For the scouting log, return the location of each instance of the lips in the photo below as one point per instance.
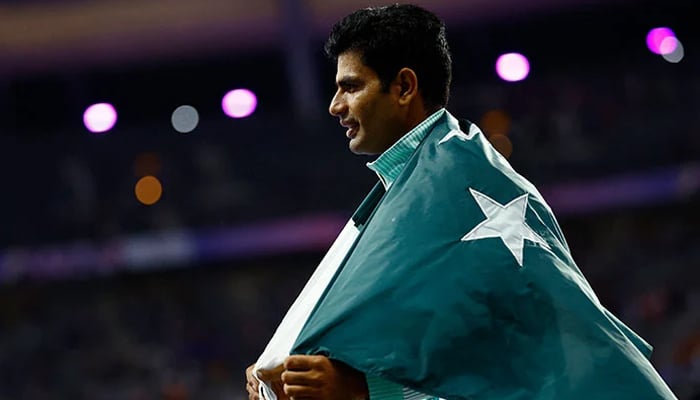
(351, 132)
(352, 126)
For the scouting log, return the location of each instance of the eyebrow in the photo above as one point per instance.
(348, 81)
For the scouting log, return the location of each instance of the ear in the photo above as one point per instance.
(407, 81)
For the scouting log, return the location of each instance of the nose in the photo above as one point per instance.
(338, 106)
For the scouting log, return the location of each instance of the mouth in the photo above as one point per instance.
(352, 132)
(352, 127)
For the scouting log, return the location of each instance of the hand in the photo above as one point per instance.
(320, 378)
(272, 376)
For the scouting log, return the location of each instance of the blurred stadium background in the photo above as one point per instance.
(170, 175)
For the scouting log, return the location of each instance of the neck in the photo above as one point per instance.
(417, 114)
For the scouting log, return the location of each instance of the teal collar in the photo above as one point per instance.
(390, 163)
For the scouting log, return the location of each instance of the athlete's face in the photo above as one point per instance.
(372, 116)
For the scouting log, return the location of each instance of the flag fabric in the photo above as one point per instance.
(460, 284)
(280, 345)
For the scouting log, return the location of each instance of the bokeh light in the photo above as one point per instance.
(656, 36)
(148, 190)
(668, 45)
(502, 144)
(495, 122)
(99, 118)
(185, 119)
(676, 53)
(512, 67)
(239, 103)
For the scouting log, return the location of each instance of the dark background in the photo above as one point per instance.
(102, 297)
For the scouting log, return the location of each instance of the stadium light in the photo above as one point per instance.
(100, 118)
(239, 103)
(512, 67)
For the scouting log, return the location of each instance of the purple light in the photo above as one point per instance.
(672, 50)
(668, 45)
(99, 118)
(239, 103)
(656, 36)
(512, 67)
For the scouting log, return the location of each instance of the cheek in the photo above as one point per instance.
(365, 111)
(355, 105)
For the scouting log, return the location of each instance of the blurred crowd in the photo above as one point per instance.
(190, 333)
(554, 129)
(175, 336)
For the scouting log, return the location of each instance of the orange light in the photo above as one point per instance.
(148, 190)
(495, 122)
(502, 144)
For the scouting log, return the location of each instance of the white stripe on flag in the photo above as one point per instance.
(287, 332)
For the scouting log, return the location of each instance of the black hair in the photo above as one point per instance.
(393, 37)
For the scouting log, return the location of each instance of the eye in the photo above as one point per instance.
(349, 87)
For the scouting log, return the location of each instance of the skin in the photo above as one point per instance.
(375, 120)
(303, 377)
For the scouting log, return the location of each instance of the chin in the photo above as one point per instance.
(360, 147)
(356, 150)
(355, 146)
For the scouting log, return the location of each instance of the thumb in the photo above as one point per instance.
(269, 375)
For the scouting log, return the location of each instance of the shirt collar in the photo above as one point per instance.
(390, 163)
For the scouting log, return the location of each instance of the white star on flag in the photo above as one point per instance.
(506, 222)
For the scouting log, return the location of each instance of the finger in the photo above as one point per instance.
(302, 362)
(253, 383)
(305, 378)
(252, 394)
(299, 392)
(278, 388)
(249, 376)
(274, 374)
(249, 371)
(251, 388)
(297, 363)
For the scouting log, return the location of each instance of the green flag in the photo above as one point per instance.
(461, 285)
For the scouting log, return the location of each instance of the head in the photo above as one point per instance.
(393, 69)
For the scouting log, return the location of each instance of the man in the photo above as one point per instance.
(457, 283)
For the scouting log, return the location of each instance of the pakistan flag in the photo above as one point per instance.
(461, 285)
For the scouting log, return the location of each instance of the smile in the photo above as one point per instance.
(351, 132)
